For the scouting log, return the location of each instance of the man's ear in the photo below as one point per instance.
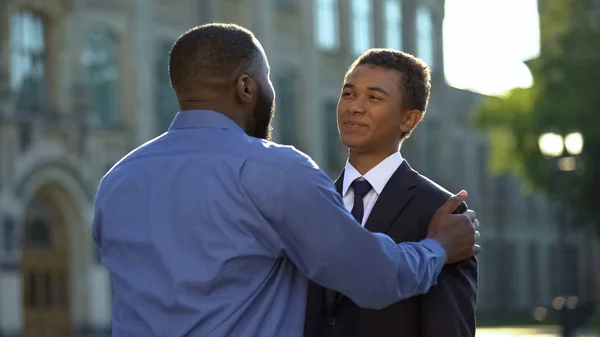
(245, 88)
(410, 120)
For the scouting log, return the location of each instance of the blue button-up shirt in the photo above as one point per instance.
(209, 232)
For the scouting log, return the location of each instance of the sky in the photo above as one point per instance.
(486, 42)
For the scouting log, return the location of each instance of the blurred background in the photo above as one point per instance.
(513, 118)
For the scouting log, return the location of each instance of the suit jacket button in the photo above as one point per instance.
(330, 321)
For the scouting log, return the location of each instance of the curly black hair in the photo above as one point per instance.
(416, 76)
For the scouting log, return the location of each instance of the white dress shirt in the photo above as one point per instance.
(378, 176)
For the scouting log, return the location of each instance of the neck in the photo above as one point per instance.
(364, 161)
(232, 112)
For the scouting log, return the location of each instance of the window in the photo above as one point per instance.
(166, 101)
(335, 156)
(554, 273)
(425, 36)
(286, 108)
(571, 273)
(534, 281)
(362, 25)
(38, 234)
(507, 281)
(482, 169)
(100, 60)
(393, 24)
(27, 61)
(429, 156)
(9, 235)
(327, 27)
(459, 158)
(502, 187)
(532, 210)
(284, 4)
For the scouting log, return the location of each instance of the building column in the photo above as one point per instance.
(144, 119)
(311, 110)
(379, 24)
(206, 11)
(262, 22)
(11, 304)
(4, 55)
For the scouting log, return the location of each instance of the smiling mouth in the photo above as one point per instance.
(353, 125)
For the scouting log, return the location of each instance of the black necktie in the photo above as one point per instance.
(361, 187)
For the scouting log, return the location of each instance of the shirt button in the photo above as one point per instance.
(330, 321)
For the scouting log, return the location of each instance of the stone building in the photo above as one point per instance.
(85, 81)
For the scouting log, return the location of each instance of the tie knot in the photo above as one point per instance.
(361, 187)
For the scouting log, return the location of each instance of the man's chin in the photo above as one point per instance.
(352, 142)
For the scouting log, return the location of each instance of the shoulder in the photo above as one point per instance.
(272, 163)
(432, 195)
(286, 159)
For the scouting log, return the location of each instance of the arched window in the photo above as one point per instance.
(27, 61)
(38, 234)
(101, 63)
(37, 228)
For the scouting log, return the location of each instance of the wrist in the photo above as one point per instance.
(443, 244)
(437, 246)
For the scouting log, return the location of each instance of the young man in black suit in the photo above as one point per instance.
(384, 97)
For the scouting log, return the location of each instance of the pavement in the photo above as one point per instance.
(534, 331)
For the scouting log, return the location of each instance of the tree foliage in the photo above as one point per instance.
(565, 98)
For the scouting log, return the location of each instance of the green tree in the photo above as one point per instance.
(565, 97)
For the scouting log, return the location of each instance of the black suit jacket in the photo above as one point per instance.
(402, 211)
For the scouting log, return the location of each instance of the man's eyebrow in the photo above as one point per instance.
(378, 89)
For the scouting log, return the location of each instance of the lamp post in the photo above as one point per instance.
(553, 146)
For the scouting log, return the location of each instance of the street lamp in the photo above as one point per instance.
(574, 143)
(552, 145)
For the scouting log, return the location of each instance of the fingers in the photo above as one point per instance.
(476, 223)
(476, 249)
(471, 215)
(453, 203)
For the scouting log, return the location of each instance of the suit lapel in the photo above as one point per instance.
(394, 196)
(339, 183)
(392, 200)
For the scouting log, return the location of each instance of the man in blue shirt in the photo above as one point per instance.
(212, 230)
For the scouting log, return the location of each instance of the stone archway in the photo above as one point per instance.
(46, 266)
(54, 201)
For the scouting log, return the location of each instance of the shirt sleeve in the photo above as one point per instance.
(330, 248)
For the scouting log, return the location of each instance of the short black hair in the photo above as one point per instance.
(209, 51)
(416, 77)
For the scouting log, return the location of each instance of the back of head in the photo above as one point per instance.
(416, 77)
(210, 56)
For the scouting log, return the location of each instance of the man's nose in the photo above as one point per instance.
(357, 106)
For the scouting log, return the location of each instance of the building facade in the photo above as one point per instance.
(85, 81)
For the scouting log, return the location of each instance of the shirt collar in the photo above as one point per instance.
(378, 176)
(194, 119)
